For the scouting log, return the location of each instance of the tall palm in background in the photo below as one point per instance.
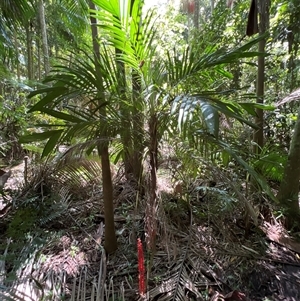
(47, 26)
(14, 11)
(13, 15)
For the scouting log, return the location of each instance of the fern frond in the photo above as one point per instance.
(77, 173)
(57, 208)
(78, 151)
(271, 165)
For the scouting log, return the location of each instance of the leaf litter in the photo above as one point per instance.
(202, 249)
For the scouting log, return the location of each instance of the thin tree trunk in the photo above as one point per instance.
(110, 244)
(259, 119)
(110, 233)
(258, 136)
(212, 6)
(17, 55)
(44, 37)
(39, 68)
(137, 123)
(151, 214)
(29, 52)
(196, 14)
(289, 188)
(137, 127)
(292, 38)
(126, 135)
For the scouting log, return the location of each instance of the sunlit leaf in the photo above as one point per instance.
(51, 143)
(250, 107)
(61, 115)
(210, 118)
(38, 136)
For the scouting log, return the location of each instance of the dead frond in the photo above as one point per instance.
(294, 96)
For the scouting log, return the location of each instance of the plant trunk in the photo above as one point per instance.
(110, 244)
(289, 188)
(137, 125)
(258, 137)
(44, 36)
(39, 68)
(290, 39)
(196, 14)
(293, 44)
(212, 6)
(126, 135)
(137, 128)
(259, 119)
(17, 55)
(29, 51)
(151, 214)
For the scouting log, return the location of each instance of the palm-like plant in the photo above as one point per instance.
(14, 11)
(108, 104)
(13, 14)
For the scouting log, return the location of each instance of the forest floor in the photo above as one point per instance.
(205, 247)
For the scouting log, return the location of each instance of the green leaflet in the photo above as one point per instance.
(61, 115)
(38, 136)
(250, 107)
(210, 117)
(52, 142)
(52, 94)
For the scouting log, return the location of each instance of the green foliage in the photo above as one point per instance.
(271, 163)
(220, 199)
(13, 119)
(68, 24)
(15, 12)
(34, 213)
(79, 82)
(279, 127)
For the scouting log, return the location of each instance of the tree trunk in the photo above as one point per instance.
(137, 124)
(258, 136)
(44, 37)
(126, 135)
(17, 55)
(289, 188)
(293, 44)
(196, 14)
(151, 214)
(132, 121)
(39, 68)
(212, 6)
(110, 244)
(290, 39)
(137, 128)
(29, 51)
(259, 119)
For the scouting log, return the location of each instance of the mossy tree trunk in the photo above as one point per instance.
(289, 188)
(43, 29)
